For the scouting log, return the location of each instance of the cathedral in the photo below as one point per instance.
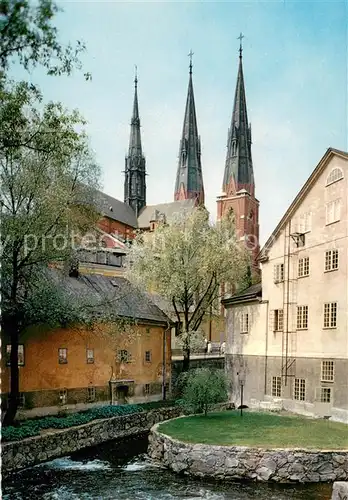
(238, 185)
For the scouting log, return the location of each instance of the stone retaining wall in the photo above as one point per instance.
(241, 462)
(56, 443)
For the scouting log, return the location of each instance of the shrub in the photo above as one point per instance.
(32, 427)
(203, 388)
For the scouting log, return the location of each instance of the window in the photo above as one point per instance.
(147, 389)
(148, 356)
(21, 400)
(303, 267)
(124, 356)
(90, 356)
(300, 389)
(325, 395)
(20, 355)
(278, 271)
(63, 396)
(333, 211)
(62, 355)
(276, 386)
(278, 320)
(335, 175)
(331, 260)
(244, 323)
(302, 317)
(327, 371)
(305, 222)
(148, 332)
(91, 392)
(330, 315)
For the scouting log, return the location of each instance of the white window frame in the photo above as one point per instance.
(244, 323)
(278, 273)
(276, 389)
(303, 267)
(330, 315)
(300, 389)
(324, 391)
(302, 318)
(333, 211)
(327, 371)
(335, 175)
(305, 222)
(278, 320)
(331, 260)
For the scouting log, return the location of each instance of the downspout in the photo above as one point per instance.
(164, 375)
(266, 345)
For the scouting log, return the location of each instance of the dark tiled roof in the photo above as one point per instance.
(115, 209)
(168, 209)
(252, 292)
(120, 295)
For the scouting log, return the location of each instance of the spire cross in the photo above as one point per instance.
(190, 56)
(136, 75)
(240, 38)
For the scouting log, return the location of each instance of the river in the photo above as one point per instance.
(122, 471)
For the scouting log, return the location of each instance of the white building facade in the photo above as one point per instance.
(289, 340)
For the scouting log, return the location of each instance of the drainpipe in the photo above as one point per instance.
(164, 375)
(266, 344)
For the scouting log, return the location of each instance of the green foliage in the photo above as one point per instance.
(28, 36)
(202, 389)
(33, 427)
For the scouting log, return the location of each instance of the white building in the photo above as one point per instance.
(289, 340)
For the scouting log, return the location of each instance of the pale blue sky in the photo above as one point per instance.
(295, 68)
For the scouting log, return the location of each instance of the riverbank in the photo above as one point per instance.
(275, 464)
(53, 443)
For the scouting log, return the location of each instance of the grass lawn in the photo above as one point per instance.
(261, 430)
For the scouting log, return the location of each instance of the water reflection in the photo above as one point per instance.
(121, 471)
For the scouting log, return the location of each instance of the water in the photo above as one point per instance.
(122, 471)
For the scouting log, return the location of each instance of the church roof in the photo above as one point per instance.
(165, 209)
(115, 209)
(238, 159)
(189, 179)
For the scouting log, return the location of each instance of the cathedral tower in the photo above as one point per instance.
(238, 187)
(134, 183)
(189, 179)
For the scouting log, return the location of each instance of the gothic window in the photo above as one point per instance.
(234, 148)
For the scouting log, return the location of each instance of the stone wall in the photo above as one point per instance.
(241, 462)
(55, 443)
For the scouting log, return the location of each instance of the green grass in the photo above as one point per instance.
(263, 430)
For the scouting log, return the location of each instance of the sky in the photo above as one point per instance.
(295, 70)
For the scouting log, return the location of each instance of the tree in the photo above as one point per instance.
(28, 36)
(48, 175)
(185, 262)
(203, 388)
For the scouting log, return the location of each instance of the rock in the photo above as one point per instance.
(340, 491)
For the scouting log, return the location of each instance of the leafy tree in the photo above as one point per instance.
(27, 36)
(185, 262)
(203, 388)
(48, 175)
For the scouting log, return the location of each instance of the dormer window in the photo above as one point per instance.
(234, 148)
(335, 175)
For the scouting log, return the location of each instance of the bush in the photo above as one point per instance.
(202, 389)
(30, 428)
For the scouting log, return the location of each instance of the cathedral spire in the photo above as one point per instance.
(238, 167)
(189, 179)
(134, 184)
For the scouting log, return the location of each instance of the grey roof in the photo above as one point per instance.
(238, 159)
(167, 209)
(120, 296)
(253, 292)
(189, 172)
(115, 209)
